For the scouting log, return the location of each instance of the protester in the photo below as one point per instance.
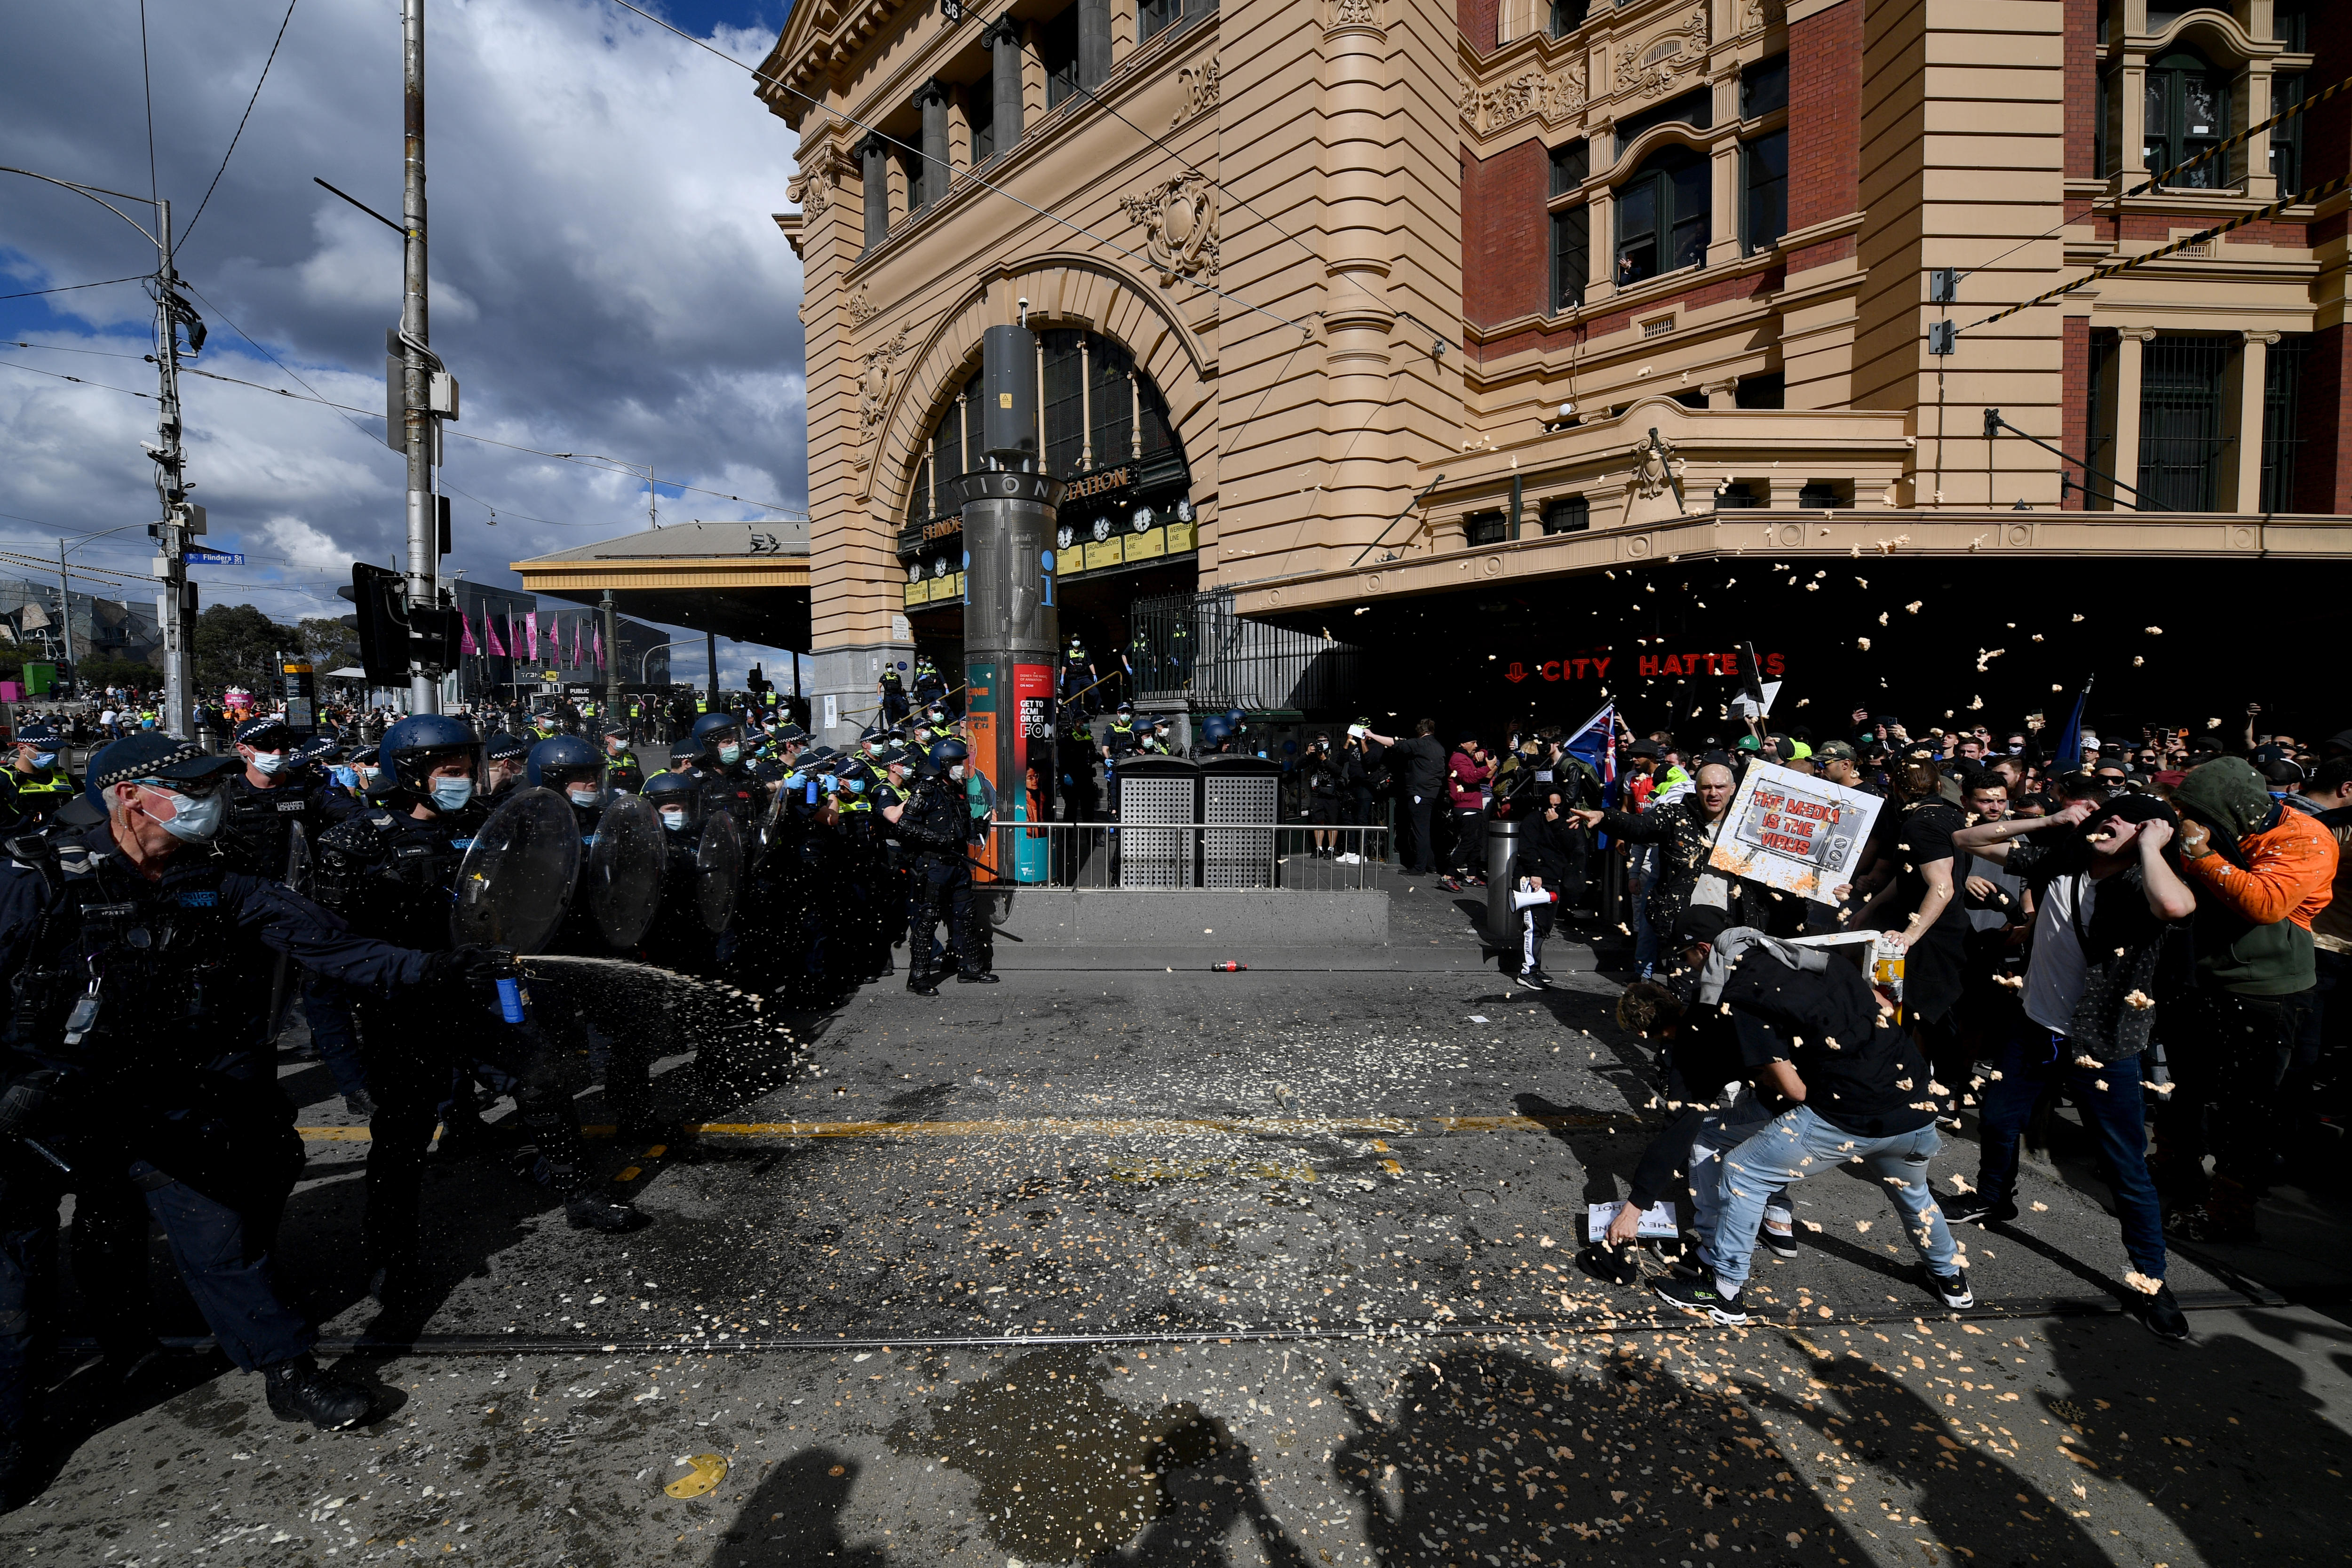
(1418, 764)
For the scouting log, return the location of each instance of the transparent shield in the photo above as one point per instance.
(624, 875)
(515, 883)
(718, 872)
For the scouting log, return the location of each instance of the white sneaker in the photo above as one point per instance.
(1348, 860)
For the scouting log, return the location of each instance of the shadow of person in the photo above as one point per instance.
(1484, 1456)
(1968, 1497)
(1607, 1144)
(2228, 1440)
(1065, 1470)
(793, 1518)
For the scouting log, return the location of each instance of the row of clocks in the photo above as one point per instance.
(1103, 525)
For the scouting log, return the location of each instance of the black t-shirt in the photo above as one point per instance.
(1420, 761)
(1923, 833)
(1875, 1087)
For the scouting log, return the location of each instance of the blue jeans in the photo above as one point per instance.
(1640, 874)
(2115, 1112)
(1722, 1131)
(1799, 1144)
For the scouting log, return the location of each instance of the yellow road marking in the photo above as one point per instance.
(1361, 1127)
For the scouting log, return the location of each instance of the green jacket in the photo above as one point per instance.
(2234, 953)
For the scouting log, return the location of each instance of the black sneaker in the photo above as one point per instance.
(1700, 1296)
(1978, 1209)
(360, 1108)
(1952, 1288)
(976, 978)
(2161, 1315)
(1533, 980)
(921, 984)
(1779, 1243)
(298, 1391)
(593, 1211)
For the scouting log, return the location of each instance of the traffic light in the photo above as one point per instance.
(755, 680)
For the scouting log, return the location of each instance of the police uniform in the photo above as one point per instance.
(894, 694)
(182, 1124)
(36, 796)
(937, 824)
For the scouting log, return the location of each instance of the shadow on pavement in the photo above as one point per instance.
(794, 1517)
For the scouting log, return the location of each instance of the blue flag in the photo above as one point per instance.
(2068, 757)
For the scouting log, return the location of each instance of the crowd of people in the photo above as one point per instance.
(319, 869)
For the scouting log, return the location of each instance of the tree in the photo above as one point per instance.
(236, 645)
(332, 643)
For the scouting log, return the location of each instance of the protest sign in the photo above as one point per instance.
(1794, 831)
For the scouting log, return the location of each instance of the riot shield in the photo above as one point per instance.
(717, 872)
(516, 881)
(622, 879)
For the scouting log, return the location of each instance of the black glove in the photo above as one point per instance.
(470, 965)
(25, 1104)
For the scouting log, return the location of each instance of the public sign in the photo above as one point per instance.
(214, 558)
(1794, 831)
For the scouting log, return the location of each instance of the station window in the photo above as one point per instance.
(2281, 410)
(1764, 87)
(1762, 390)
(1485, 527)
(1764, 167)
(2286, 138)
(1696, 109)
(1057, 51)
(979, 114)
(1569, 514)
(1662, 215)
(2187, 112)
(2180, 440)
(1571, 246)
(1567, 15)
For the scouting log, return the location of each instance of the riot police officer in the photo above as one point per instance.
(892, 689)
(276, 793)
(38, 786)
(930, 688)
(391, 870)
(678, 938)
(937, 824)
(622, 770)
(111, 929)
(729, 782)
(504, 755)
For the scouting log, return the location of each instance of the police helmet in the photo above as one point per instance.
(562, 760)
(669, 791)
(946, 754)
(414, 747)
(711, 726)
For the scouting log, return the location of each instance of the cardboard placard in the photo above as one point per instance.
(1657, 1220)
(1796, 832)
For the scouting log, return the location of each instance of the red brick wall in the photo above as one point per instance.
(1506, 234)
(2082, 85)
(2075, 405)
(1478, 18)
(1547, 339)
(1825, 116)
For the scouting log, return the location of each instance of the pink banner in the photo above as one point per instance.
(490, 635)
(530, 630)
(599, 647)
(466, 633)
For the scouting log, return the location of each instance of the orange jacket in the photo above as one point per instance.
(2293, 873)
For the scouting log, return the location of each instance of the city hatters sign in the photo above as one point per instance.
(1596, 664)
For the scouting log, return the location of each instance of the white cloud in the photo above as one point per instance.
(605, 279)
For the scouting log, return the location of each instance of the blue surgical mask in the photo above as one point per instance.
(730, 754)
(854, 786)
(194, 821)
(586, 796)
(675, 819)
(452, 795)
(45, 759)
(271, 763)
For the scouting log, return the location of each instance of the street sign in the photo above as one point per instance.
(214, 558)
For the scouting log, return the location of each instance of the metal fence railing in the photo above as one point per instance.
(1183, 856)
(1198, 647)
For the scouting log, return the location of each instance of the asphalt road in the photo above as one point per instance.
(1161, 1266)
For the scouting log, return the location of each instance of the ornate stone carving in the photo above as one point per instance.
(1202, 90)
(1755, 15)
(1654, 467)
(1355, 14)
(1649, 66)
(862, 309)
(878, 378)
(810, 190)
(1545, 95)
(1180, 219)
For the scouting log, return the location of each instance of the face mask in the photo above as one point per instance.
(367, 776)
(586, 794)
(193, 821)
(271, 763)
(854, 786)
(346, 777)
(956, 773)
(45, 759)
(452, 795)
(730, 754)
(675, 820)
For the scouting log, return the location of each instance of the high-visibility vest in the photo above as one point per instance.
(702, 705)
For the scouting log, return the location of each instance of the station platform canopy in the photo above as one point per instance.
(748, 581)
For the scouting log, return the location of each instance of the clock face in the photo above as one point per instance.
(940, 567)
(1141, 520)
(1102, 529)
(914, 572)
(1183, 511)
(1064, 536)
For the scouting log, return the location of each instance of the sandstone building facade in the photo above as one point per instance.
(1356, 303)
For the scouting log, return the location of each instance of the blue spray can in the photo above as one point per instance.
(514, 1001)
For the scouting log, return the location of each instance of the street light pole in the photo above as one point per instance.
(418, 357)
(176, 604)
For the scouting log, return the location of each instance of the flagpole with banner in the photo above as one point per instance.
(2069, 756)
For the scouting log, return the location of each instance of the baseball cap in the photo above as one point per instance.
(1834, 752)
(1699, 923)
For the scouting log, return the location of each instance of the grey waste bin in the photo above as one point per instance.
(1502, 848)
(1245, 792)
(1159, 800)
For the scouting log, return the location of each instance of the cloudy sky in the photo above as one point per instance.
(606, 278)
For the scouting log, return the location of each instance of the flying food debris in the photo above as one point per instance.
(2153, 631)
(2139, 1001)
(2040, 1208)
(1986, 656)
(1913, 607)
(2137, 661)
(2142, 1283)
(1863, 643)
(2078, 618)
(1863, 1225)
